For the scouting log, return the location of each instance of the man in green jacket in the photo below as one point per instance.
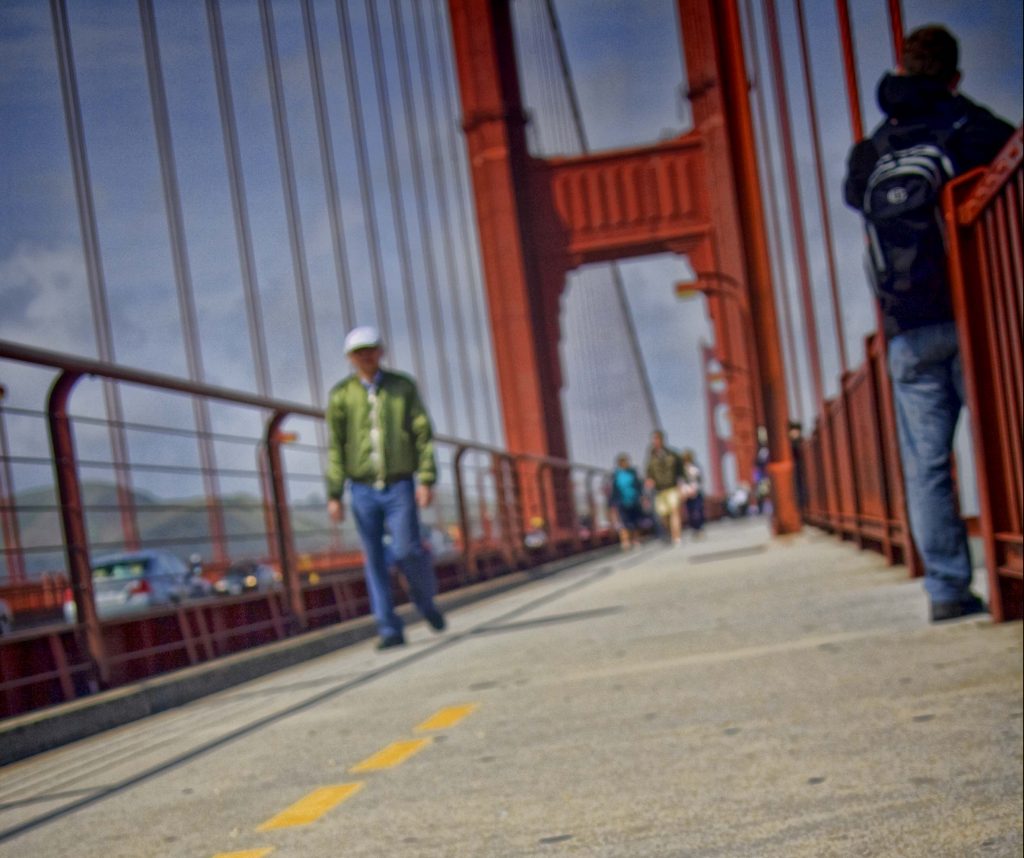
(664, 470)
(379, 440)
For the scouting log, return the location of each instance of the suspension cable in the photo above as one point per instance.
(298, 252)
(182, 270)
(328, 165)
(93, 257)
(467, 225)
(419, 194)
(363, 169)
(819, 172)
(397, 210)
(441, 194)
(790, 364)
(239, 205)
(793, 197)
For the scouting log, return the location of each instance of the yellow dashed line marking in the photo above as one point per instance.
(447, 717)
(246, 853)
(310, 808)
(393, 755)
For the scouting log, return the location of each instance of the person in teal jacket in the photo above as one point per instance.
(380, 443)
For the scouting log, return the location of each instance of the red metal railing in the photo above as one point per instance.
(853, 476)
(851, 464)
(983, 216)
(271, 483)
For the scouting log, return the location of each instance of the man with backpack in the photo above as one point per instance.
(894, 178)
(626, 499)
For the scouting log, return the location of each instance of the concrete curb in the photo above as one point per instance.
(30, 734)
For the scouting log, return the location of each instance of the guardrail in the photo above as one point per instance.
(851, 466)
(983, 216)
(258, 495)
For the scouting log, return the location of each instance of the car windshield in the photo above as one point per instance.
(120, 571)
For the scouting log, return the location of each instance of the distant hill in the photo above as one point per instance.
(180, 525)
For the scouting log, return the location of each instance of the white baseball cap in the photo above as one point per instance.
(364, 337)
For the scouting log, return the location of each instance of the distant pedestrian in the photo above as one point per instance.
(662, 473)
(930, 134)
(796, 444)
(626, 501)
(691, 489)
(380, 443)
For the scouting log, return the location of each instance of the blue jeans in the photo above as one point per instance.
(695, 512)
(928, 393)
(393, 509)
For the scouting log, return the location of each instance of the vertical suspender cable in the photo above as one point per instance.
(793, 193)
(441, 194)
(620, 292)
(327, 163)
(850, 67)
(465, 222)
(182, 271)
(790, 365)
(93, 263)
(298, 252)
(896, 28)
(819, 172)
(239, 205)
(363, 168)
(401, 232)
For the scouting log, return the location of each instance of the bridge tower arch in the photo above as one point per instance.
(540, 218)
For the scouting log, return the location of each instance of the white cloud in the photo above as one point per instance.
(45, 299)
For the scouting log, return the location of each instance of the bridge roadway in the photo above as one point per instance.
(733, 697)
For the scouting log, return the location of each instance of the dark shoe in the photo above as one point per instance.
(390, 641)
(966, 607)
(436, 620)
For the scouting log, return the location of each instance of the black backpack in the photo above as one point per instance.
(906, 233)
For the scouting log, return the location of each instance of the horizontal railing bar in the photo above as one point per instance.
(104, 369)
(168, 430)
(154, 468)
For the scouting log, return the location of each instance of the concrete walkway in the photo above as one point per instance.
(738, 696)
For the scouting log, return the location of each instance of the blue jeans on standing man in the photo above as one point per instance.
(924, 364)
(392, 509)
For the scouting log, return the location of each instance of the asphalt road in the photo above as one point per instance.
(738, 696)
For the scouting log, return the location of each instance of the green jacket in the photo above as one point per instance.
(406, 437)
(665, 468)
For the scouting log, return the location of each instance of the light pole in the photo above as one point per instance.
(722, 285)
(744, 394)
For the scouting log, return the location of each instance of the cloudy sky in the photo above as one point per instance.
(626, 64)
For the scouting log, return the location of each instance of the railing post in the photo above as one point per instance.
(72, 517)
(468, 560)
(509, 469)
(592, 504)
(15, 556)
(282, 519)
(874, 369)
(545, 492)
(851, 453)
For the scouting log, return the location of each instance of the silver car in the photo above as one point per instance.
(135, 582)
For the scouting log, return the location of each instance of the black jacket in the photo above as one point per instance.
(916, 108)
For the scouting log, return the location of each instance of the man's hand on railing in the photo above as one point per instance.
(336, 510)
